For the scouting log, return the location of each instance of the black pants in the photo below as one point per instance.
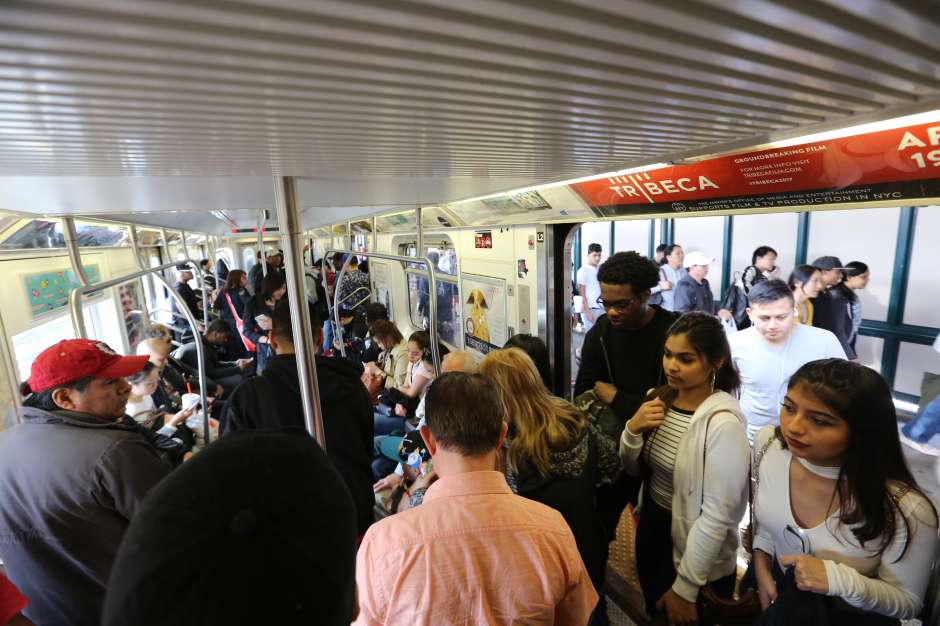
(654, 556)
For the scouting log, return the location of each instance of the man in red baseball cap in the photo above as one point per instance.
(71, 477)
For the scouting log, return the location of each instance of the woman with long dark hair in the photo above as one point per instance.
(836, 501)
(805, 282)
(689, 441)
(258, 313)
(857, 276)
(230, 304)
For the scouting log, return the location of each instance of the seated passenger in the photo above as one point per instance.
(693, 293)
(167, 432)
(400, 402)
(261, 531)
(193, 302)
(227, 374)
(690, 440)
(393, 361)
(837, 504)
(473, 552)
(537, 351)
(272, 401)
(257, 317)
(374, 312)
(175, 377)
(555, 455)
(71, 478)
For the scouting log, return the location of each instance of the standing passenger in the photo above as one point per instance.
(763, 267)
(272, 401)
(837, 503)
(622, 356)
(588, 287)
(556, 456)
(831, 310)
(473, 552)
(805, 283)
(71, 478)
(857, 276)
(693, 293)
(537, 351)
(670, 273)
(767, 353)
(230, 304)
(258, 316)
(690, 440)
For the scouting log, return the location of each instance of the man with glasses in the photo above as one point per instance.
(622, 355)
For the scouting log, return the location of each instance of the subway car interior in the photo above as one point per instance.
(486, 164)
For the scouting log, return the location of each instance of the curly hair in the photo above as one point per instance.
(629, 268)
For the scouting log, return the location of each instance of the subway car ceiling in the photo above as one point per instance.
(178, 114)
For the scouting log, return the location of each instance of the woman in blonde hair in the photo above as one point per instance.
(556, 456)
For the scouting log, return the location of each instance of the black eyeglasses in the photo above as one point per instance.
(620, 305)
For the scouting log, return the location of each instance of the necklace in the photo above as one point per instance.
(832, 473)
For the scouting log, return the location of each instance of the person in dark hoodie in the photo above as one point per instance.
(622, 355)
(831, 308)
(272, 401)
(556, 456)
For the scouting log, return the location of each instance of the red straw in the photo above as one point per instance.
(189, 388)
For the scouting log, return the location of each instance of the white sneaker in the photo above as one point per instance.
(923, 448)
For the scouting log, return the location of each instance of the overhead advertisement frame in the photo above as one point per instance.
(896, 165)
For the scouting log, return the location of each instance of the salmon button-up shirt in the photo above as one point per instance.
(473, 553)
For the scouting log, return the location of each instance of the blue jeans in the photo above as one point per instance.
(327, 335)
(387, 424)
(926, 424)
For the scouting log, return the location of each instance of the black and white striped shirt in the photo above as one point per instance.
(660, 454)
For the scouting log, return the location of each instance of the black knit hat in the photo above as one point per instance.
(259, 528)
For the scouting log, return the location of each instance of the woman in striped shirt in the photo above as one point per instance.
(689, 441)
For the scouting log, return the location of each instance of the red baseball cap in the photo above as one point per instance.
(72, 359)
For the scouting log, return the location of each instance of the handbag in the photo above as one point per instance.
(240, 326)
(714, 609)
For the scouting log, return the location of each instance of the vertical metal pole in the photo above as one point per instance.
(419, 232)
(261, 250)
(166, 246)
(349, 236)
(727, 246)
(375, 234)
(214, 245)
(135, 245)
(802, 237)
(288, 220)
(10, 369)
(75, 257)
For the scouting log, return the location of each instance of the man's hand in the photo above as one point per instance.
(725, 314)
(243, 364)
(605, 392)
(588, 314)
(665, 285)
(400, 410)
(219, 391)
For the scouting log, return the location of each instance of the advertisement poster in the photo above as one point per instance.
(484, 312)
(483, 239)
(48, 291)
(897, 164)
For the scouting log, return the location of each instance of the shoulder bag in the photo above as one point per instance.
(240, 325)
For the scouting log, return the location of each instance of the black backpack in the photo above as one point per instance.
(735, 301)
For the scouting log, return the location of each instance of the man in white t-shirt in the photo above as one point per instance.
(772, 349)
(589, 288)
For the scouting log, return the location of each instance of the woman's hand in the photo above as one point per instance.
(809, 572)
(389, 482)
(181, 417)
(605, 392)
(678, 610)
(650, 415)
(766, 586)
(400, 410)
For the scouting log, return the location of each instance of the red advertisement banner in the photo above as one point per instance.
(897, 164)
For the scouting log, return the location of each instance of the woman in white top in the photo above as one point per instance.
(420, 374)
(690, 441)
(836, 501)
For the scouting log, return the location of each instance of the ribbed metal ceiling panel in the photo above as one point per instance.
(484, 89)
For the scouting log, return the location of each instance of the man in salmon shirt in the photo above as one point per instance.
(473, 552)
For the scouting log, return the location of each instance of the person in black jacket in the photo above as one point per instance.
(273, 288)
(234, 290)
(622, 356)
(830, 307)
(272, 401)
(186, 292)
(228, 374)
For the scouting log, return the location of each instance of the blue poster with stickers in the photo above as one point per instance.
(48, 291)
